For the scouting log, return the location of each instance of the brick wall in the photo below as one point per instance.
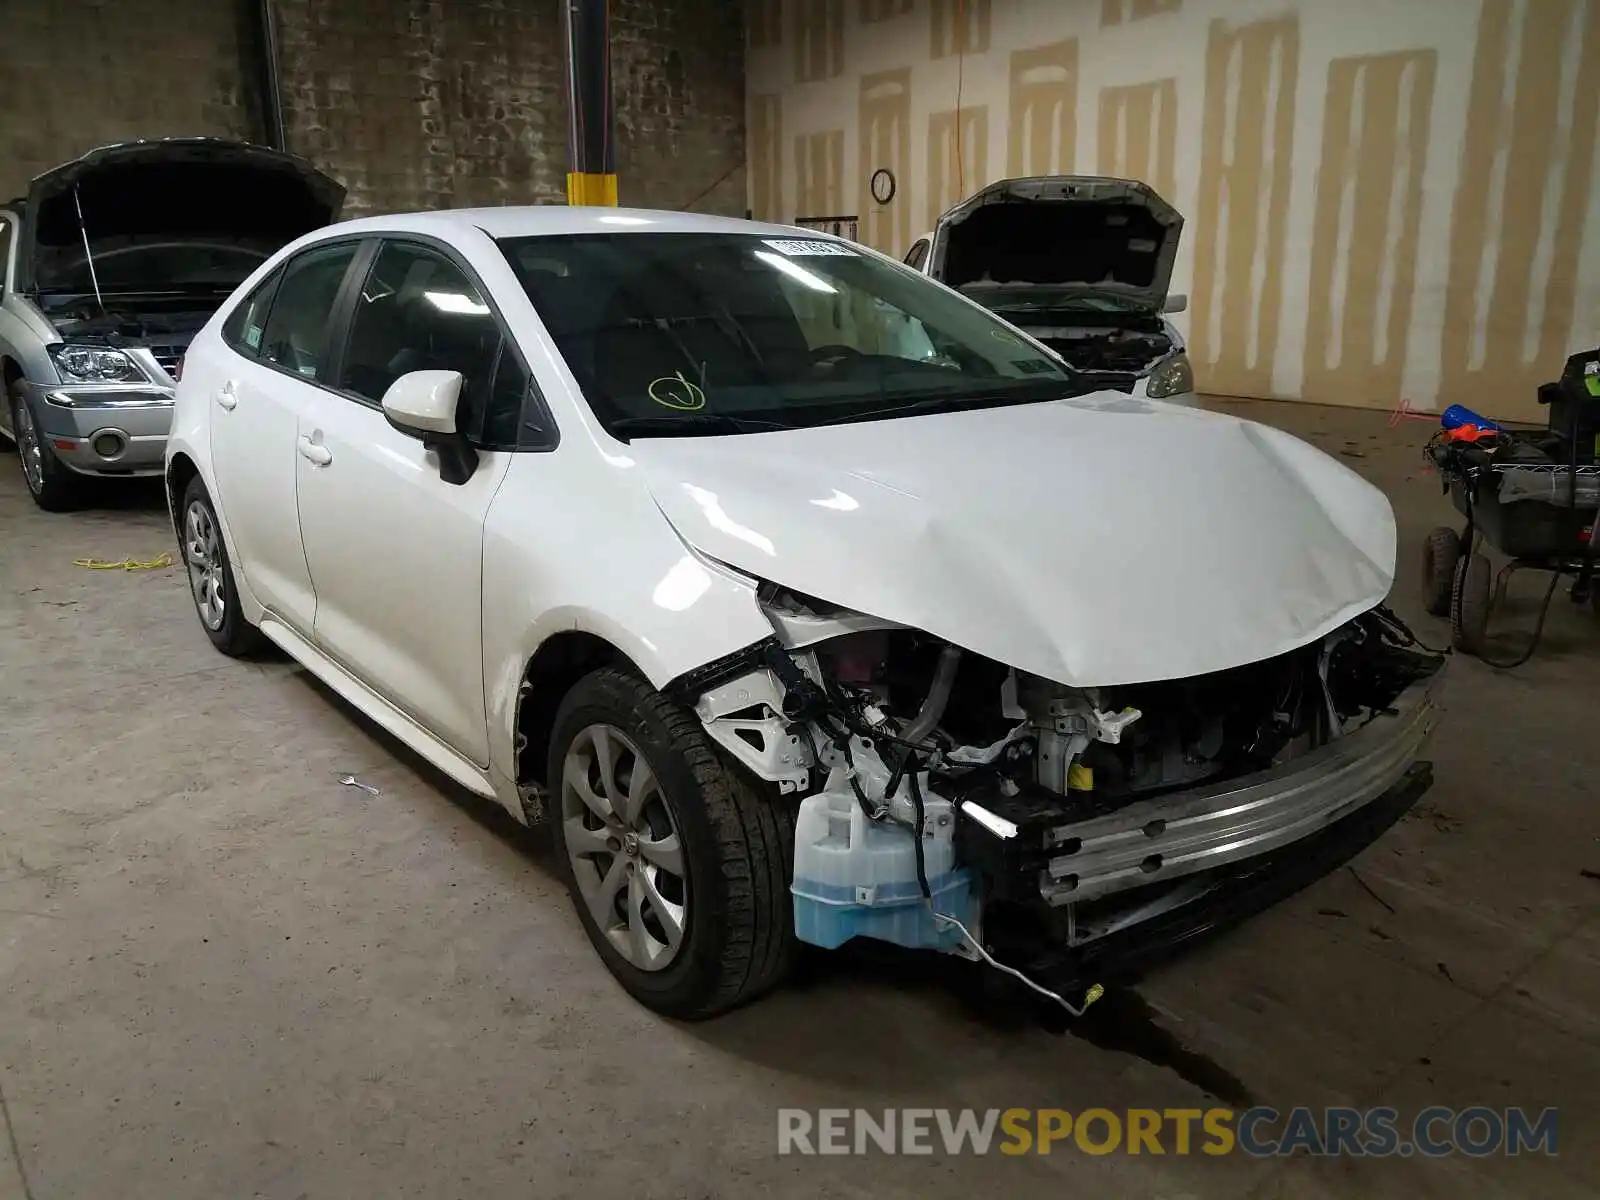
(76, 74)
(411, 103)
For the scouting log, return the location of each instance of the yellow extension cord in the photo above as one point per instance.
(161, 560)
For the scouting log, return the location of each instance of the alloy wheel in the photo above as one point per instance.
(202, 552)
(623, 844)
(28, 447)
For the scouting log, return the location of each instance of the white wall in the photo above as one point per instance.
(1417, 220)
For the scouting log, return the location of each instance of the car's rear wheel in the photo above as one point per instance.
(677, 862)
(52, 485)
(211, 582)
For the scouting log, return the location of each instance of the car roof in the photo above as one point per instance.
(551, 219)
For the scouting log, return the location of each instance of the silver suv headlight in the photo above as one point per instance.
(94, 364)
(1172, 377)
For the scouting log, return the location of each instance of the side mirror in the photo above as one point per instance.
(422, 404)
(1177, 302)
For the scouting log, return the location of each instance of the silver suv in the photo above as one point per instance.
(108, 266)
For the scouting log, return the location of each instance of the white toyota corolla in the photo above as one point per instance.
(805, 597)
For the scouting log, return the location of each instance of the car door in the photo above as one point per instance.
(395, 552)
(277, 347)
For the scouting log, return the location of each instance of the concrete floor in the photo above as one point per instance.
(223, 974)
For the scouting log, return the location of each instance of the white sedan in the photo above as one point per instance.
(804, 597)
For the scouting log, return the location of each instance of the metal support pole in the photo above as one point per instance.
(591, 120)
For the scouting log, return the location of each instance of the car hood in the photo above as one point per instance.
(1092, 541)
(174, 189)
(1072, 230)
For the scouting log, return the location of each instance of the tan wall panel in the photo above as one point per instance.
(955, 167)
(818, 40)
(1364, 234)
(1139, 132)
(1246, 159)
(819, 174)
(882, 10)
(1525, 180)
(884, 140)
(766, 157)
(960, 27)
(765, 22)
(1119, 12)
(1042, 130)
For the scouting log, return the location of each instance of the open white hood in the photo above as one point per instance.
(1093, 541)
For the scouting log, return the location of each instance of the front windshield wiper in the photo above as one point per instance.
(703, 422)
(1034, 392)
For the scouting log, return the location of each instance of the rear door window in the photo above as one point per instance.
(247, 323)
(295, 337)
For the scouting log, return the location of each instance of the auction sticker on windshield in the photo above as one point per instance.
(802, 248)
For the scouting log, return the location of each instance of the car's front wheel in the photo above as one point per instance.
(678, 864)
(211, 583)
(53, 486)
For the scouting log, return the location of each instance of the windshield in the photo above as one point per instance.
(673, 334)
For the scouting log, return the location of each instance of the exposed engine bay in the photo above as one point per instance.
(951, 802)
(131, 320)
(1130, 347)
(163, 324)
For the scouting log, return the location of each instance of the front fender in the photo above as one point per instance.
(606, 563)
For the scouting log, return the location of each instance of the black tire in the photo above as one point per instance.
(737, 846)
(54, 486)
(1469, 605)
(233, 635)
(1440, 553)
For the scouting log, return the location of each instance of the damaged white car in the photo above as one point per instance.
(807, 599)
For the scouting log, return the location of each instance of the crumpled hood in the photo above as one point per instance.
(1093, 541)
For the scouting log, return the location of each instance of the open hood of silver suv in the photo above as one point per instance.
(1060, 233)
(170, 190)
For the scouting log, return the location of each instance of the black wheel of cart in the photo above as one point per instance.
(1440, 553)
(1469, 605)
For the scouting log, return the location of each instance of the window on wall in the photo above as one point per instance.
(419, 311)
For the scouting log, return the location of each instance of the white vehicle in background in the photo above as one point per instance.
(806, 599)
(1084, 264)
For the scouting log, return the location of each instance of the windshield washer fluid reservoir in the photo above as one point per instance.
(856, 877)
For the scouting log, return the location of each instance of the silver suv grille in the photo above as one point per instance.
(168, 358)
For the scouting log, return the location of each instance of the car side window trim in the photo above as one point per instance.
(344, 307)
(534, 408)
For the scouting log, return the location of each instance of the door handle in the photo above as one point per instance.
(315, 452)
(226, 397)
